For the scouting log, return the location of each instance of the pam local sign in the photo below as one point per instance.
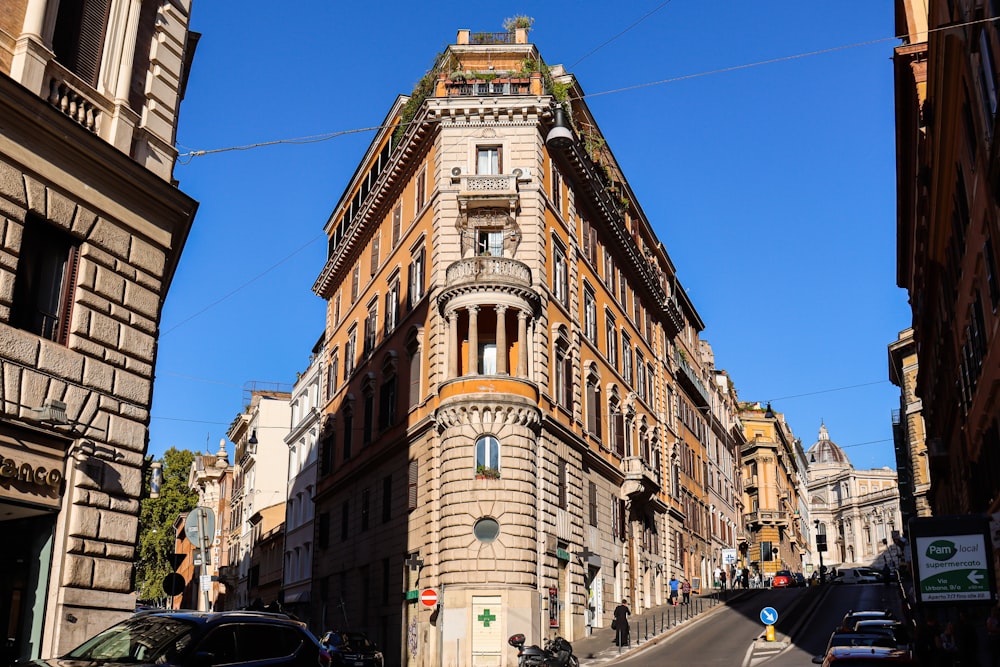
(952, 566)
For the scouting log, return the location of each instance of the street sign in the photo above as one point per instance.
(769, 615)
(953, 559)
(429, 597)
(198, 518)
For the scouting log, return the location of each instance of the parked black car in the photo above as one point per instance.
(351, 649)
(198, 639)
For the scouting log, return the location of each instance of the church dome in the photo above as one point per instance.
(825, 450)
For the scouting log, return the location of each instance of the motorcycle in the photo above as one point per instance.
(557, 653)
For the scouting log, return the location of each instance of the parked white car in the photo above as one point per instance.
(856, 575)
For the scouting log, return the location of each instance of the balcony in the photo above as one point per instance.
(767, 518)
(641, 481)
(689, 378)
(487, 271)
(481, 88)
(750, 482)
(476, 191)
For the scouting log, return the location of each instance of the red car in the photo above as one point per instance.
(782, 579)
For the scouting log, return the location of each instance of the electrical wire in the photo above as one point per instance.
(601, 46)
(189, 155)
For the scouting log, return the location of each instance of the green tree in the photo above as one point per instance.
(156, 522)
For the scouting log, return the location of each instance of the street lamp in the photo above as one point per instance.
(820, 548)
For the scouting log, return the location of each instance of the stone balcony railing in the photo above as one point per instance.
(641, 480)
(487, 270)
(473, 185)
(770, 517)
(67, 93)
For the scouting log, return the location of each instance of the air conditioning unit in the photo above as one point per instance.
(456, 173)
(522, 173)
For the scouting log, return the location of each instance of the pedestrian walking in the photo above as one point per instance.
(674, 586)
(686, 591)
(746, 578)
(621, 624)
(722, 579)
(947, 645)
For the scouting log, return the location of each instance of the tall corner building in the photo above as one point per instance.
(948, 240)
(92, 225)
(521, 427)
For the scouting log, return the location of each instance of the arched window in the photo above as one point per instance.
(562, 375)
(413, 353)
(488, 456)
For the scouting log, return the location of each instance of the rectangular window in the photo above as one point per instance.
(323, 536)
(640, 375)
(46, 281)
(618, 433)
(336, 309)
(78, 41)
(488, 160)
(355, 282)
(386, 498)
(392, 306)
(592, 502)
(589, 241)
(387, 403)
(375, 253)
(411, 486)
(416, 278)
(627, 358)
(987, 80)
(594, 409)
(414, 354)
(348, 434)
(490, 243)
(556, 191)
(397, 224)
(421, 196)
(366, 500)
(333, 375)
(350, 351)
(345, 521)
(329, 452)
(560, 275)
(609, 270)
(611, 338)
(371, 326)
(563, 484)
(368, 420)
(589, 314)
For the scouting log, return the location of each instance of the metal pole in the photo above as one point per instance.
(202, 538)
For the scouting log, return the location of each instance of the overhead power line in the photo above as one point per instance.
(186, 157)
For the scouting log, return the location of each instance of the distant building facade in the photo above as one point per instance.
(303, 446)
(857, 510)
(908, 432)
(260, 484)
(212, 477)
(92, 226)
(775, 528)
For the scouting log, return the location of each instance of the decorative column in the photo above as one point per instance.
(502, 351)
(30, 56)
(454, 349)
(522, 344)
(473, 340)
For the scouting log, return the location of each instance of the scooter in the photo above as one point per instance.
(557, 653)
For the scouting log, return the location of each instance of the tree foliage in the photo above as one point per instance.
(156, 522)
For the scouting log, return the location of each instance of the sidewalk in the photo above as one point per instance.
(648, 627)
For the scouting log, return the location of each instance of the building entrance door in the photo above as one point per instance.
(24, 564)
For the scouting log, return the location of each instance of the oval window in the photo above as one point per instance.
(486, 529)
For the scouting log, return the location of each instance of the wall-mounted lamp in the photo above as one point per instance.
(769, 413)
(52, 412)
(560, 136)
(253, 437)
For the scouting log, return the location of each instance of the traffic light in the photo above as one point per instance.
(821, 542)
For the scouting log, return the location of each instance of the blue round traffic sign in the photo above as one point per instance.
(769, 615)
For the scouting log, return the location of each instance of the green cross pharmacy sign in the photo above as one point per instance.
(953, 564)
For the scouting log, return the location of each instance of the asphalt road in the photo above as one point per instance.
(733, 636)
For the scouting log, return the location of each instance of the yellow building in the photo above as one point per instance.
(771, 473)
(503, 426)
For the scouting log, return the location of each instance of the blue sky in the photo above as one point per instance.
(769, 177)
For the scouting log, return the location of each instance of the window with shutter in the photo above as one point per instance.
(323, 537)
(621, 519)
(78, 40)
(375, 253)
(397, 223)
(592, 499)
(45, 282)
(411, 486)
(618, 436)
(563, 484)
